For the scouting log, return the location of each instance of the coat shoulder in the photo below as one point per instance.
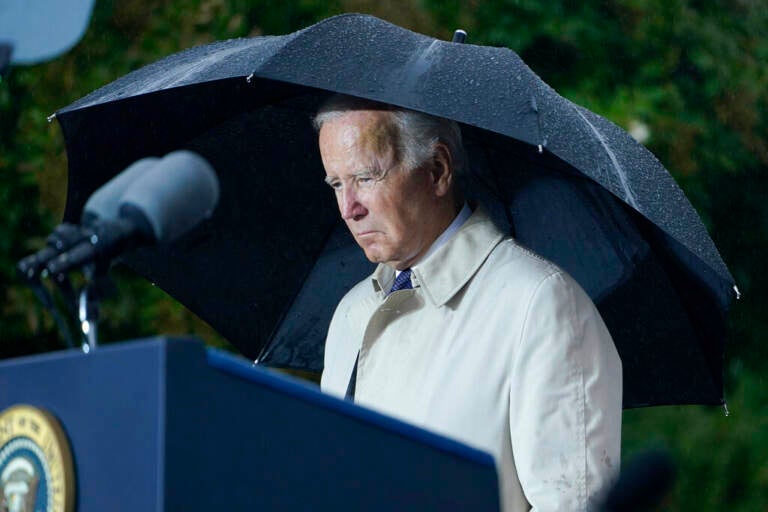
(519, 263)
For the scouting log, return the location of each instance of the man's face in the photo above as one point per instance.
(388, 209)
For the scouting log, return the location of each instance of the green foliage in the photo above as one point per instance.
(19, 220)
(693, 72)
(720, 459)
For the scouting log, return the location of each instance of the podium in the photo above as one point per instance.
(167, 425)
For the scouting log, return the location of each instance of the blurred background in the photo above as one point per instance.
(687, 78)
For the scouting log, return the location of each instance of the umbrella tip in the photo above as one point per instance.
(51, 117)
(459, 36)
(737, 292)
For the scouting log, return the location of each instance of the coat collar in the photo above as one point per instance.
(446, 271)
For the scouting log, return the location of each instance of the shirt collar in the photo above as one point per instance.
(447, 268)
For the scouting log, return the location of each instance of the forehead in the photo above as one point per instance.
(370, 132)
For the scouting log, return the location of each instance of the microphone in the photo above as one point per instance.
(102, 204)
(64, 237)
(179, 193)
(160, 206)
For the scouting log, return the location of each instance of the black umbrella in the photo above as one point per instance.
(270, 266)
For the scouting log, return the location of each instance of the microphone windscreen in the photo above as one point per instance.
(178, 193)
(105, 202)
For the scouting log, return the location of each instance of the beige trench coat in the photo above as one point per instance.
(499, 349)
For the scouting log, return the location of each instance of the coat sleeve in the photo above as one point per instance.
(345, 334)
(340, 353)
(565, 399)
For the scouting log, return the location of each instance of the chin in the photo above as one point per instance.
(374, 256)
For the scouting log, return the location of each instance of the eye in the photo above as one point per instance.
(365, 180)
(334, 184)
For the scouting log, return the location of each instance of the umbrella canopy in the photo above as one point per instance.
(269, 268)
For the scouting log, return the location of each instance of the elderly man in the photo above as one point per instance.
(459, 329)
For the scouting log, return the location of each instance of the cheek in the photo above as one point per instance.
(368, 194)
(391, 208)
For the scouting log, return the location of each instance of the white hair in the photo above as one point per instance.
(417, 132)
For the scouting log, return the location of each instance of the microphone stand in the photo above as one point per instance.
(88, 314)
(48, 303)
(96, 287)
(66, 291)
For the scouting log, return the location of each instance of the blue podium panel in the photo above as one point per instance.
(111, 406)
(166, 425)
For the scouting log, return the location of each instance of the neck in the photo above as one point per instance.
(444, 216)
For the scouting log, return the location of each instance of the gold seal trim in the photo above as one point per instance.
(44, 431)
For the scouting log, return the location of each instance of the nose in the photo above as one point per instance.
(349, 204)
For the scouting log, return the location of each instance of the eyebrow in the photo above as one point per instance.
(367, 171)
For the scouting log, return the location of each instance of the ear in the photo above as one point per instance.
(442, 170)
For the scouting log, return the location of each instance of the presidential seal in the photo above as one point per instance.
(36, 472)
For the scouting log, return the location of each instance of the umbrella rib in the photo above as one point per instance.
(629, 197)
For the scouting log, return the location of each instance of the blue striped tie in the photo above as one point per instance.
(402, 281)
